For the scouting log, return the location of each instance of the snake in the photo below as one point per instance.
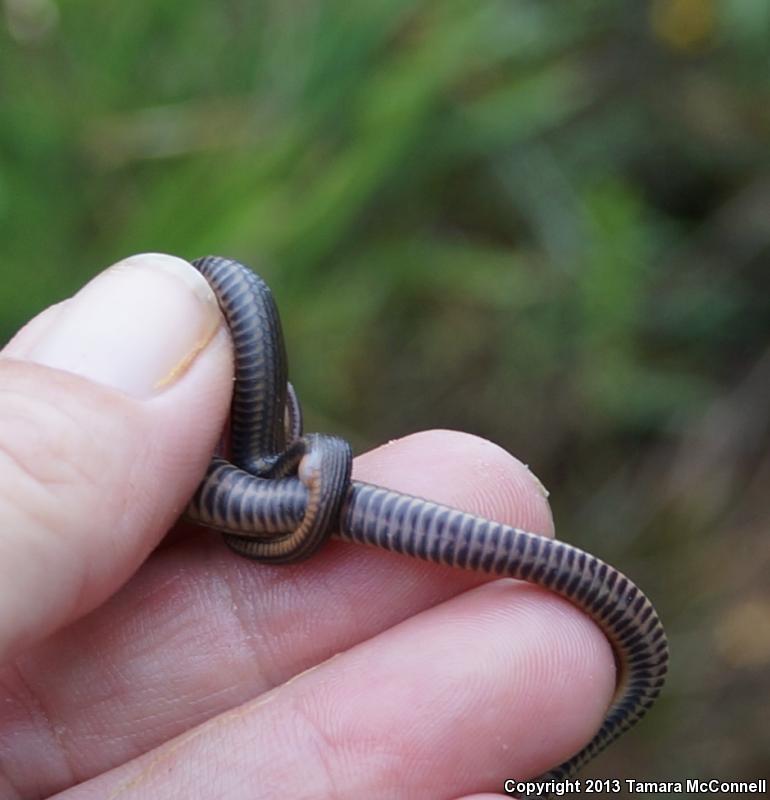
(277, 494)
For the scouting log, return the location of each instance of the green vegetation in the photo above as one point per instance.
(545, 223)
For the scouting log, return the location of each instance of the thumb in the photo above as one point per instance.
(110, 406)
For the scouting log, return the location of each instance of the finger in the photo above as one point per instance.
(482, 797)
(199, 630)
(461, 471)
(110, 405)
(501, 682)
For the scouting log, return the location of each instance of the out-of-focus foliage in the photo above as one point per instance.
(545, 223)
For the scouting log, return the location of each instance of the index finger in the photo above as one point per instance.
(199, 630)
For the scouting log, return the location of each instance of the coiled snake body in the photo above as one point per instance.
(282, 493)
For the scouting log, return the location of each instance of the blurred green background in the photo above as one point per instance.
(544, 223)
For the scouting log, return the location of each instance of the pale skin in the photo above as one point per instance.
(142, 659)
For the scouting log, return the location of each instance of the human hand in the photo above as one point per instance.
(140, 668)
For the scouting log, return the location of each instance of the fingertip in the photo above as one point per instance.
(464, 471)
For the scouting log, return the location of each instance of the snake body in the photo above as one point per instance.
(281, 493)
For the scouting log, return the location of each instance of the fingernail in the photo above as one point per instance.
(136, 327)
